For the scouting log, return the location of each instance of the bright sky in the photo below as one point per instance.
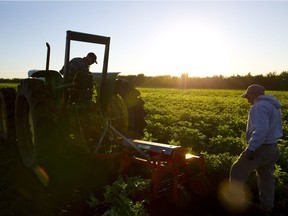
(201, 38)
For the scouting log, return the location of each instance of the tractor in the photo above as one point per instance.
(93, 139)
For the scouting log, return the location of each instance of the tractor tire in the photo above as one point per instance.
(7, 114)
(135, 107)
(35, 119)
(118, 114)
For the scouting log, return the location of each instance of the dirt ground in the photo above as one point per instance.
(22, 194)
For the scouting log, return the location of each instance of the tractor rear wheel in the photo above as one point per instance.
(135, 107)
(35, 122)
(7, 114)
(118, 113)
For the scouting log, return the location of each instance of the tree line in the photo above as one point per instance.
(271, 81)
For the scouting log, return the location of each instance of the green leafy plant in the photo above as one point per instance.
(214, 122)
(120, 198)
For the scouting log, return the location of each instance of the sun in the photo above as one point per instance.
(194, 49)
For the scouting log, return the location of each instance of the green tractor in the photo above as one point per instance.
(49, 100)
(85, 139)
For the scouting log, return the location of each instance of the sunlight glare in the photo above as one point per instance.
(41, 174)
(235, 197)
(197, 50)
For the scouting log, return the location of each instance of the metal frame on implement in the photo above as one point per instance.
(168, 167)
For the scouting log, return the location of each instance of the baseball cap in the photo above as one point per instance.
(92, 56)
(255, 88)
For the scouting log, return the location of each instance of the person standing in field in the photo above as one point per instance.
(264, 128)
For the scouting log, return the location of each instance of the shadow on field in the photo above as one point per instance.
(70, 184)
(20, 192)
(73, 178)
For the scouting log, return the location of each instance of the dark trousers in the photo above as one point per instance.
(264, 162)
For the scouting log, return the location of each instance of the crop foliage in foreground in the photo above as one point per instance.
(212, 122)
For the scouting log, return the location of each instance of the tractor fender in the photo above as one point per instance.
(52, 79)
(46, 75)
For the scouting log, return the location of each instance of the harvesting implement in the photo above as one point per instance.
(60, 133)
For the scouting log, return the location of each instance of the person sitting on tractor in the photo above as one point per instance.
(79, 74)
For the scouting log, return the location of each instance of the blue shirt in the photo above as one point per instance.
(264, 124)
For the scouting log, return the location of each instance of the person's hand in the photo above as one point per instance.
(249, 154)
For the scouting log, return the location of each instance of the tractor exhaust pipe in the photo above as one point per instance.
(48, 56)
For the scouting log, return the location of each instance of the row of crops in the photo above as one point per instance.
(212, 122)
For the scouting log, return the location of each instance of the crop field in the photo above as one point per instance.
(8, 85)
(212, 122)
(204, 120)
